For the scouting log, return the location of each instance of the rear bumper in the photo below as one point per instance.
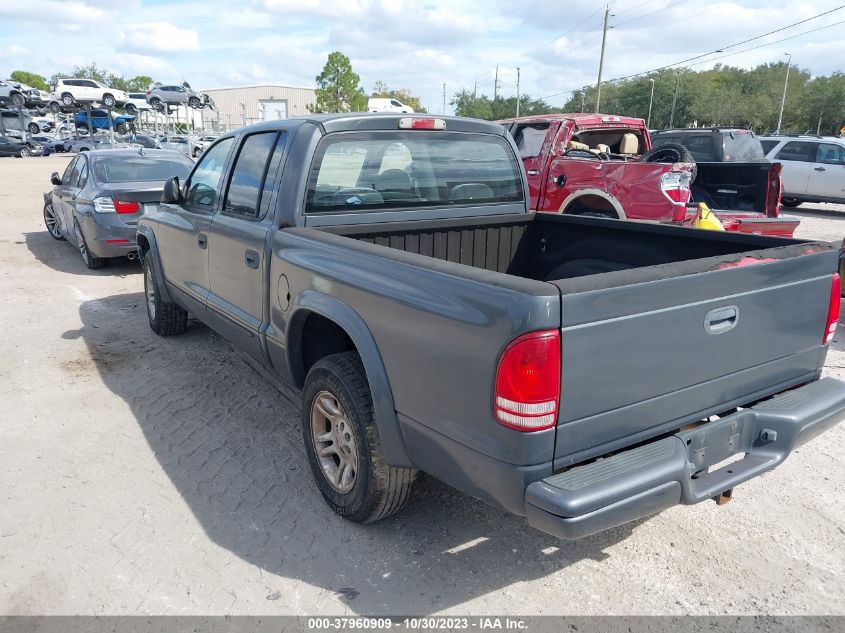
(675, 470)
(758, 224)
(109, 237)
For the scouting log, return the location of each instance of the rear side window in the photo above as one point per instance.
(701, 147)
(247, 185)
(801, 151)
(529, 140)
(768, 145)
(371, 171)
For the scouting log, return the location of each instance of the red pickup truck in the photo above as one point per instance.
(599, 164)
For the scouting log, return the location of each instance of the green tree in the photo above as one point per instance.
(30, 79)
(468, 104)
(338, 87)
(381, 90)
(139, 83)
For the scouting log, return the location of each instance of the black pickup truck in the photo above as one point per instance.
(579, 371)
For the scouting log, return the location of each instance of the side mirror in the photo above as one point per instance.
(54, 178)
(171, 194)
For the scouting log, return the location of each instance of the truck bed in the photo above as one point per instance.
(641, 313)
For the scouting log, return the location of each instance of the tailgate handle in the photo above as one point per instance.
(721, 320)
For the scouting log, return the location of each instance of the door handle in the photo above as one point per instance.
(819, 169)
(202, 240)
(251, 259)
(533, 172)
(721, 320)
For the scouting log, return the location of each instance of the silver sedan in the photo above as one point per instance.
(97, 202)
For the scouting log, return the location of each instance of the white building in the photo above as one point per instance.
(242, 105)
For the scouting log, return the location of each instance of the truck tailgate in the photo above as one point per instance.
(662, 350)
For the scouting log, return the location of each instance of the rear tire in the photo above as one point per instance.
(52, 223)
(195, 103)
(33, 128)
(343, 445)
(166, 318)
(25, 151)
(672, 153)
(91, 261)
(67, 99)
(18, 100)
(108, 101)
(121, 129)
(790, 202)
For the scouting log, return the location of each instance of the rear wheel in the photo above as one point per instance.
(25, 151)
(91, 261)
(55, 107)
(343, 445)
(52, 223)
(18, 99)
(67, 99)
(131, 108)
(194, 102)
(790, 202)
(156, 104)
(121, 128)
(33, 128)
(166, 318)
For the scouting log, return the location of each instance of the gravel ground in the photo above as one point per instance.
(147, 476)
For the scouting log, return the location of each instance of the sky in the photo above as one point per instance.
(414, 44)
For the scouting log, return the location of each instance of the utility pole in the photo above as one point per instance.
(601, 58)
(583, 100)
(785, 84)
(444, 98)
(650, 101)
(517, 91)
(496, 84)
(675, 99)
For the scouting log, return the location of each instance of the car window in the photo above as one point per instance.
(247, 181)
(360, 171)
(768, 145)
(801, 151)
(202, 186)
(529, 140)
(830, 154)
(741, 146)
(66, 177)
(82, 180)
(74, 174)
(395, 103)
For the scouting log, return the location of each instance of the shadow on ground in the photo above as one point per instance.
(62, 256)
(231, 445)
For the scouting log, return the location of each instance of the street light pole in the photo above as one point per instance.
(517, 91)
(785, 84)
(650, 101)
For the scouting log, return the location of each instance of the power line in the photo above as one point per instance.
(645, 15)
(565, 33)
(636, 6)
(719, 50)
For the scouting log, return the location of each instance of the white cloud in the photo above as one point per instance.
(73, 11)
(162, 37)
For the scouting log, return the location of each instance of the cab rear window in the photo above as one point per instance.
(367, 171)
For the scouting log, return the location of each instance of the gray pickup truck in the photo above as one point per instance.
(578, 371)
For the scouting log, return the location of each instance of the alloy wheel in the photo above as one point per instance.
(334, 441)
(51, 222)
(149, 290)
(80, 241)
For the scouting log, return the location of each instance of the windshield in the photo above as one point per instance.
(358, 171)
(140, 168)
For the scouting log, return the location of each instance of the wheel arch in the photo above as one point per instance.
(585, 195)
(148, 247)
(337, 320)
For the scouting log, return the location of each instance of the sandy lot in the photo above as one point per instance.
(147, 476)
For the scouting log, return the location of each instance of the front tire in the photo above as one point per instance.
(18, 100)
(108, 101)
(343, 445)
(33, 128)
(121, 129)
(67, 99)
(91, 261)
(25, 151)
(166, 318)
(790, 202)
(195, 103)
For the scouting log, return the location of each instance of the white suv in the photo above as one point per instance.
(813, 167)
(74, 91)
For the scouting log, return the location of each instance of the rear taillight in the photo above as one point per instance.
(126, 207)
(411, 123)
(527, 393)
(675, 186)
(832, 309)
(774, 191)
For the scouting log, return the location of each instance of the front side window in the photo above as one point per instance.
(372, 171)
(801, 151)
(247, 181)
(768, 145)
(66, 177)
(83, 174)
(742, 146)
(202, 186)
(830, 154)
